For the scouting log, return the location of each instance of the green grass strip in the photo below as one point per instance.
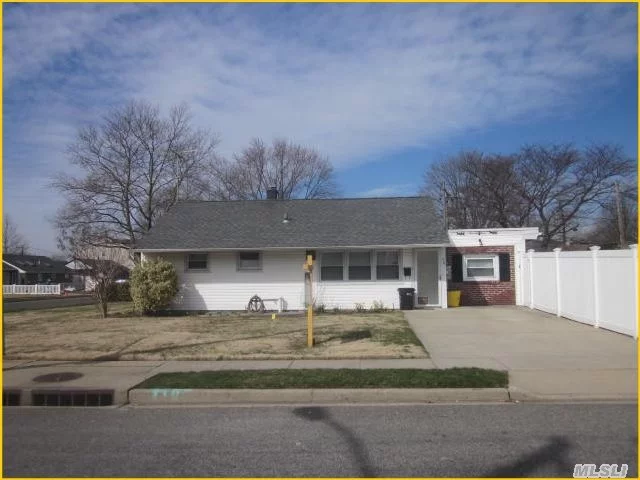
(332, 378)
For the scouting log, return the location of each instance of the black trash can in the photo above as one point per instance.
(407, 298)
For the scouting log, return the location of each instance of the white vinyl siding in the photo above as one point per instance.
(223, 287)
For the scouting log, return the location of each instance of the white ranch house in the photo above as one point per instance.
(364, 249)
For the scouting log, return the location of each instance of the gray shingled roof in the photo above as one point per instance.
(35, 263)
(313, 224)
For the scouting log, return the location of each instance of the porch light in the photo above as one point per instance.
(286, 218)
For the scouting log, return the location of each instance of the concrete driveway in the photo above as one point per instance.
(546, 356)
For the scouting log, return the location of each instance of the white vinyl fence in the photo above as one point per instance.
(596, 287)
(31, 289)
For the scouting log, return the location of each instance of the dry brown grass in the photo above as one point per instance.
(78, 333)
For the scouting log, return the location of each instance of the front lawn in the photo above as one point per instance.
(29, 298)
(332, 378)
(78, 333)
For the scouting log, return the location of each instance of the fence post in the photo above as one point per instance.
(530, 256)
(556, 252)
(596, 286)
(634, 251)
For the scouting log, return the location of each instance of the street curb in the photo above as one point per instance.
(519, 395)
(178, 396)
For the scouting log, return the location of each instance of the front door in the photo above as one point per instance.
(428, 277)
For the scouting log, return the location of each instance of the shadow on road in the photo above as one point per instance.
(553, 453)
(359, 452)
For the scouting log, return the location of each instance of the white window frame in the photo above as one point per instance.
(239, 268)
(345, 266)
(481, 256)
(400, 267)
(186, 262)
(373, 256)
(372, 273)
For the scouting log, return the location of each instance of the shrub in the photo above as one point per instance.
(337, 310)
(153, 285)
(321, 308)
(360, 307)
(120, 292)
(378, 306)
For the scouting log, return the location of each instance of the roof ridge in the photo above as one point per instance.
(304, 199)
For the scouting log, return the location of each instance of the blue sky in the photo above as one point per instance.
(383, 90)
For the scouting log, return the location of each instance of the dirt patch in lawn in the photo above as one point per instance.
(78, 333)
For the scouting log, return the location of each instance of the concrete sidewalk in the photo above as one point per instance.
(121, 376)
(547, 357)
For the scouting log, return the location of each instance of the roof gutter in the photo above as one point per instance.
(334, 247)
(13, 266)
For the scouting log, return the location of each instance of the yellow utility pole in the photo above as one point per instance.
(308, 268)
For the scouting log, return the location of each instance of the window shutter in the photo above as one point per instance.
(456, 268)
(505, 268)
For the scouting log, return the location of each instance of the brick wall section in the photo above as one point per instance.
(484, 293)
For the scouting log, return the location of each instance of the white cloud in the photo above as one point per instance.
(356, 81)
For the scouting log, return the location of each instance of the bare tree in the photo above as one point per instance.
(102, 270)
(611, 217)
(564, 186)
(296, 171)
(134, 166)
(448, 184)
(480, 190)
(12, 240)
(557, 188)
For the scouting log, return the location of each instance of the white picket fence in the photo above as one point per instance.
(596, 287)
(31, 289)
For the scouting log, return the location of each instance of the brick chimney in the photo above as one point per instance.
(272, 193)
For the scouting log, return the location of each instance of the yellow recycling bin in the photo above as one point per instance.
(453, 298)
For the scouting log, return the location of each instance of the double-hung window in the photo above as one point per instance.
(250, 261)
(197, 261)
(331, 266)
(480, 268)
(359, 265)
(387, 265)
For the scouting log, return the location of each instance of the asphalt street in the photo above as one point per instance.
(520, 440)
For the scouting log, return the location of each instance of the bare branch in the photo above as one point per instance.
(135, 165)
(296, 171)
(12, 240)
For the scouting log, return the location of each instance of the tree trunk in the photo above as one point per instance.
(101, 291)
(103, 307)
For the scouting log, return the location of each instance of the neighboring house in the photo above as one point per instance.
(32, 269)
(82, 276)
(364, 249)
(119, 254)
